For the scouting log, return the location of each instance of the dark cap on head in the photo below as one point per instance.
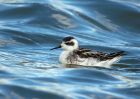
(68, 38)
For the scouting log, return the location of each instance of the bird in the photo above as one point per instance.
(73, 54)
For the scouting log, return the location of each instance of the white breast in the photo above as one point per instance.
(63, 57)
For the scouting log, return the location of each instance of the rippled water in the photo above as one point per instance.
(28, 29)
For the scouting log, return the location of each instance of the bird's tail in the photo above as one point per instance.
(117, 54)
(115, 57)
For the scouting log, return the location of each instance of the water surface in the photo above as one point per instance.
(28, 29)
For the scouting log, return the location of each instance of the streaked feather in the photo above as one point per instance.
(87, 53)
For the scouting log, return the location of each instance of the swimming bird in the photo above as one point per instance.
(73, 54)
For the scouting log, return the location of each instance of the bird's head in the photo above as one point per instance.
(68, 43)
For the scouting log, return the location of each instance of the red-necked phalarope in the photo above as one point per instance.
(72, 54)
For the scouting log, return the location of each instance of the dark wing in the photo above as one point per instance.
(87, 53)
(112, 55)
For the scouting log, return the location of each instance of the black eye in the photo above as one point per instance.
(69, 43)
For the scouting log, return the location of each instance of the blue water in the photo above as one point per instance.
(29, 28)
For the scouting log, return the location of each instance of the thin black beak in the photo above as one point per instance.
(56, 47)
